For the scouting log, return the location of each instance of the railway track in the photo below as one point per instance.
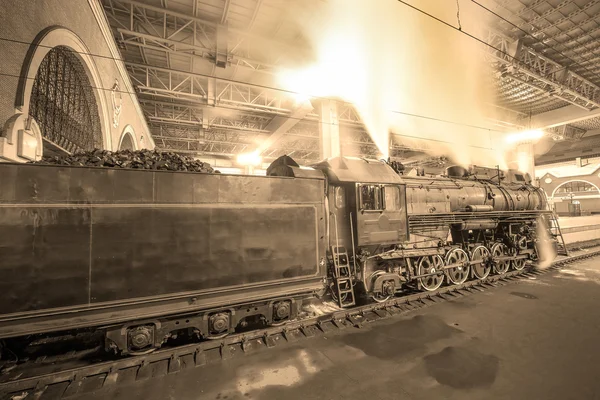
(28, 381)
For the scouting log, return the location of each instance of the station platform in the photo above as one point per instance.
(535, 338)
(580, 229)
(586, 220)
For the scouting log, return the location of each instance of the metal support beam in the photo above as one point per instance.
(522, 64)
(201, 89)
(280, 125)
(160, 28)
(562, 116)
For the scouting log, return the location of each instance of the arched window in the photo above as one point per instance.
(576, 187)
(63, 104)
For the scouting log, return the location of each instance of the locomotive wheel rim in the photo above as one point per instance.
(380, 299)
(143, 352)
(457, 275)
(500, 250)
(216, 337)
(480, 270)
(427, 265)
(518, 264)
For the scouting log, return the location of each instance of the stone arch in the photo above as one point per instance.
(127, 140)
(45, 41)
(574, 180)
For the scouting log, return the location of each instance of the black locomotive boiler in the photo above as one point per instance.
(142, 256)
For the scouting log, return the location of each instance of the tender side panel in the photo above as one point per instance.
(45, 257)
(145, 233)
(139, 252)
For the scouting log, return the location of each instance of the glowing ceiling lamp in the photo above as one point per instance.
(249, 159)
(525, 136)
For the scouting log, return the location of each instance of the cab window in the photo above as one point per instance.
(371, 197)
(392, 198)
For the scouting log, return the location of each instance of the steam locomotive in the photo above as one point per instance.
(143, 256)
(391, 232)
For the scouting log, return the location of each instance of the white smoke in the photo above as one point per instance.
(395, 64)
(545, 245)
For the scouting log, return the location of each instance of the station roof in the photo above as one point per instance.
(204, 72)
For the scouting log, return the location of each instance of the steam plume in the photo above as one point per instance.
(545, 245)
(394, 64)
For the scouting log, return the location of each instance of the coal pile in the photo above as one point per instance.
(139, 159)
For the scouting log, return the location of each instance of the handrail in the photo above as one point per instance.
(353, 249)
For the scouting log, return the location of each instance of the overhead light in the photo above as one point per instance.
(524, 136)
(249, 159)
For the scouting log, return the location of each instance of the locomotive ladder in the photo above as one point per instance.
(555, 231)
(343, 276)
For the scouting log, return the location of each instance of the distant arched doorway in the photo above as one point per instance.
(127, 141)
(64, 105)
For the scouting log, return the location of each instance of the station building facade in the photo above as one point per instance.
(573, 188)
(64, 86)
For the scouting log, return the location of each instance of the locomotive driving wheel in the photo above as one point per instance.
(431, 265)
(459, 274)
(387, 289)
(500, 250)
(519, 263)
(482, 269)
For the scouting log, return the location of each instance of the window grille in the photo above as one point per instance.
(63, 102)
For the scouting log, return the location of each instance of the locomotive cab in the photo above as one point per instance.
(368, 214)
(367, 201)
